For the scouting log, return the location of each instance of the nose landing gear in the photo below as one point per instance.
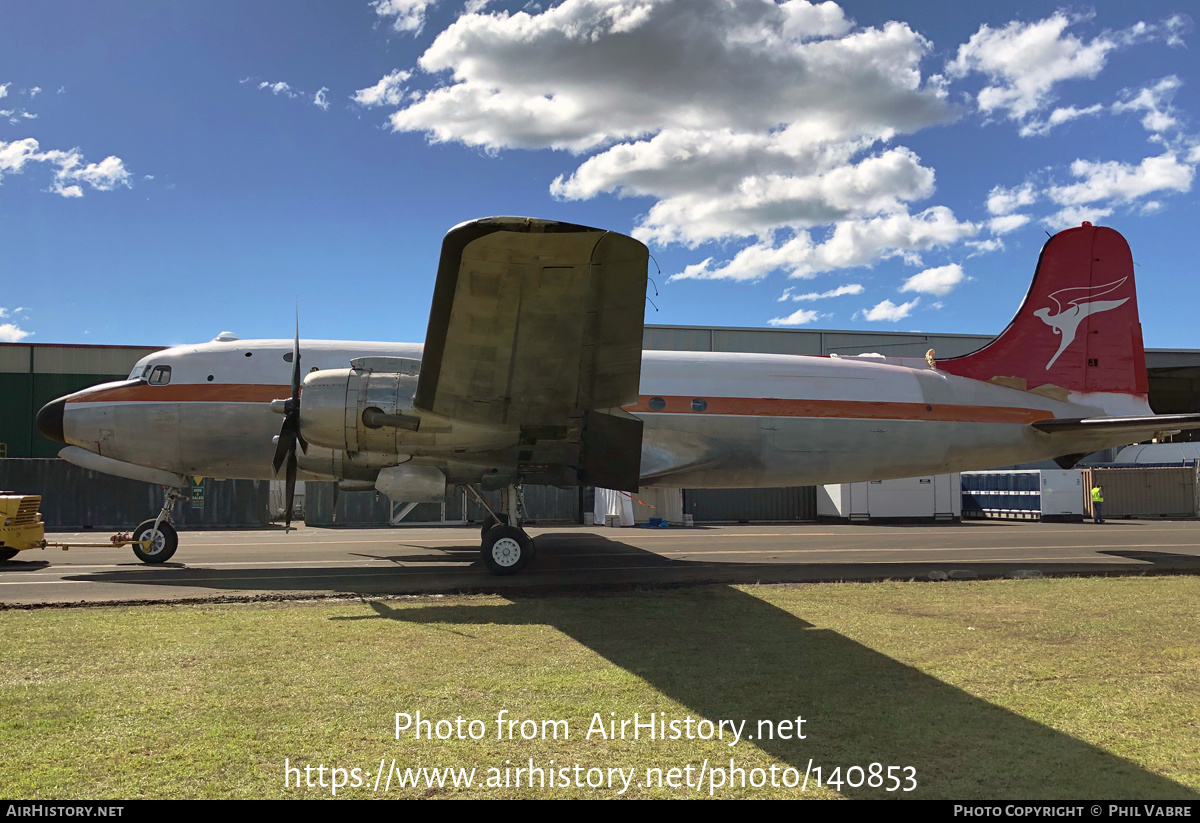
(162, 538)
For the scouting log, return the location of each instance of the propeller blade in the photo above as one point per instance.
(290, 490)
(286, 444)
(289, 432)
(296, 365)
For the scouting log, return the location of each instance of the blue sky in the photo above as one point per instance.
(168, 171)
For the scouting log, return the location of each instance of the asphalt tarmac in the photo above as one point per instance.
(272, 564)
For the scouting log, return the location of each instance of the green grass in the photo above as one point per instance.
(1085, 688)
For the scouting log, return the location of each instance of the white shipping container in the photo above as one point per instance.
(1062, 492)
(933, 496)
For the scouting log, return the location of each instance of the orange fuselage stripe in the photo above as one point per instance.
(858, 409)
(735, 406)
(189, 393)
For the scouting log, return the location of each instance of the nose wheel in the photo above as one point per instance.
(163, 541)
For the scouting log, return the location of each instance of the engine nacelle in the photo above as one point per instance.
(334, 402)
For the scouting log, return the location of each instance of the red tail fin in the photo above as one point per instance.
(1078, 328)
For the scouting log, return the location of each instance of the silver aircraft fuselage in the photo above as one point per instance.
(711, 420)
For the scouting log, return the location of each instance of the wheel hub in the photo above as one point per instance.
(157, 541)
(506, 551)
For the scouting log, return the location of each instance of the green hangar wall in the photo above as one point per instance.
(33, 374)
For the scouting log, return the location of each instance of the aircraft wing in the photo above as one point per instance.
(536, 325)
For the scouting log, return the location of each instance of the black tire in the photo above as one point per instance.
(490, 524)
(506, 550)
(8, 554)
(164, 545)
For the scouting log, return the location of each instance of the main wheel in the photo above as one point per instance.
(8, 554)
(506, 550)
(163, 541)
(490, 524)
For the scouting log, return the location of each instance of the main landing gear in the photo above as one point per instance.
(156, 540)
(506, 548)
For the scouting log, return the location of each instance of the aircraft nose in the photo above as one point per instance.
(50, 420)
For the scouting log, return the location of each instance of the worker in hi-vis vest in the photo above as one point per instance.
(1097, 504)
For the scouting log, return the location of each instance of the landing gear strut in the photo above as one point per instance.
(506, 548)
(164, 540)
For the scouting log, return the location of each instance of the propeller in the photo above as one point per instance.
(289, 432)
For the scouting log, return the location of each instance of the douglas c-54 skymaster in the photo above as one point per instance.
(532, 372)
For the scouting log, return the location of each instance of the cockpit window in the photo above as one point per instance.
(140, 372)
(160, 376)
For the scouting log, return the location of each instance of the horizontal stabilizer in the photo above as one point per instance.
(1150, 423)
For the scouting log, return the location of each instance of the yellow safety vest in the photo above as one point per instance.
(1096, 498)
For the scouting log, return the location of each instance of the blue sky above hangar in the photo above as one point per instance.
(170, 171)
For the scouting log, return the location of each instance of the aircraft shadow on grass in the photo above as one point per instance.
(724, 654)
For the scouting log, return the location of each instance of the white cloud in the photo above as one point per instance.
(576, 76)
(1007, 222)
(1025, 61)
(320, 100)
(983, 247)
(4, 89)
(740, 119)
(1002, 201)
(1155, 101)
(389, 91)
(12, 333)
(1073, 216)
(1123, 182)
(103, 176)
(853, 243)
(33, 92)
(849, 288)
(796, 318)
(939, 281)
(280, 88)
(887, 310)
(761, 204)
(1057, 118)
(407, 15)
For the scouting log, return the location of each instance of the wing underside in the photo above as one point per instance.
(536, 327)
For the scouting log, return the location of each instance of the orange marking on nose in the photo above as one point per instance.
(188, 393)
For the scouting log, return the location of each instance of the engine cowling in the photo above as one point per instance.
(365, 408)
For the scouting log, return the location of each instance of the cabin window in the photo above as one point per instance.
(160, 376)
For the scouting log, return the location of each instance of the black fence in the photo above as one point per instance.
(75, 498)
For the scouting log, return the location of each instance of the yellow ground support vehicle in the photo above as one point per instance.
(20, 524)
(21, 528)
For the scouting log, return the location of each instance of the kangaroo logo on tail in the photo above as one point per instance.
(1066, 321)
